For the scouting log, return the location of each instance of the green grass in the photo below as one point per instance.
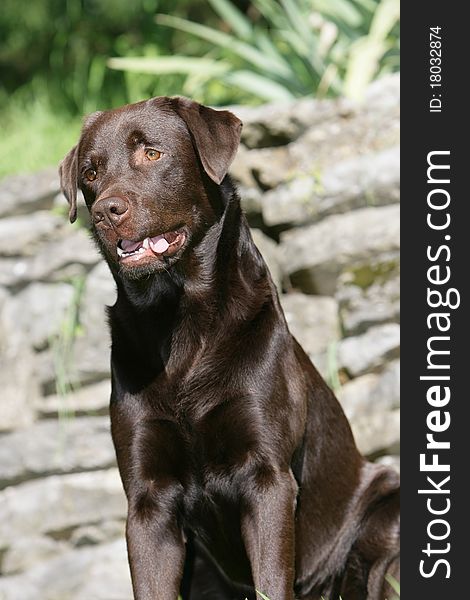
(332, 378)
(34, 137)
(292, 49)
(62, 347)
(395, 585)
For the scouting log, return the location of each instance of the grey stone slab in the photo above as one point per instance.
(316, 255)
(56, 446)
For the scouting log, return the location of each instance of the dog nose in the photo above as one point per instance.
(111, 211)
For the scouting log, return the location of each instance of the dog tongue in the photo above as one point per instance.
(129, 246)
(159, 244)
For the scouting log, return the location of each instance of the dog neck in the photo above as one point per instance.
(225, 258)
(221, 280)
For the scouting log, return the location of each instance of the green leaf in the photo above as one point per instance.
(341, 10)
(272, 12)
(393, 583)
(367, 52)
(170, 64)
(299, 20)
(265, 44)
(233, 17)
(244, 50)
(259, 86)
(368, 5)
(385, 18)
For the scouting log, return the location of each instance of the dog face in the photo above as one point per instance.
(144, 170)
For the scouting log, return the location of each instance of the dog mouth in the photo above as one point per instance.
(158, 246)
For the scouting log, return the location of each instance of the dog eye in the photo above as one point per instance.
(152, 154)
(90, 174)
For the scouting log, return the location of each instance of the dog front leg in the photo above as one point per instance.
(267, 524)
(156, 549)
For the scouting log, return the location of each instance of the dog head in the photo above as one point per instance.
(144, 171)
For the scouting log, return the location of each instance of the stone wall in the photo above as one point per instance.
(319, 182)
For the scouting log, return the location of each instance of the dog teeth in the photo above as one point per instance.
(123, 254)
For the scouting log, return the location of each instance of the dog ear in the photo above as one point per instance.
(216, 135)
(68, 172)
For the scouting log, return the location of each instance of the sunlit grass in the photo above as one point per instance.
(34, 137)
(395, 585)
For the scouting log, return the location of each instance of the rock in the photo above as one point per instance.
(92, 350)
(57, 504)
(264, 167)
(316, 255)
(361, 307)
(250, 201)
(56, 446)
(32, 317)
(20, 389)
(355, 395)
(240, 169)
(68, 256)
(356, 129)
(292, 203)
(389, 384)
(90, 573)
(390, 461)
(91, 399)
(20, 236)
(371, 403)
(371, 392)
(4, 298)
(370, 180)
(383, 95)
(279, 123)
(270, 251)
(338, 132)
(23, 194)
(46, 372)
(377, 433)
(99, 292)
(355, 183)
(89, 358)
(75, 373)
(27, 552)
(100, 533)
(368, 351)
(314, 322)
(14, 270)
(271, 166)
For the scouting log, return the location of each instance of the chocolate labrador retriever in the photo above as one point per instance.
(239, 466)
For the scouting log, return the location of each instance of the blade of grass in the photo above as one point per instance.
(224, 40)
(170, 64)
(342, 10)
(332, 366)
(233, 17)
(259, 86)
(272, 12)
(393, 583)
(265, 44)
(366, 52)
(300, 24)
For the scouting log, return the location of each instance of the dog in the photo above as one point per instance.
(239, 466)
